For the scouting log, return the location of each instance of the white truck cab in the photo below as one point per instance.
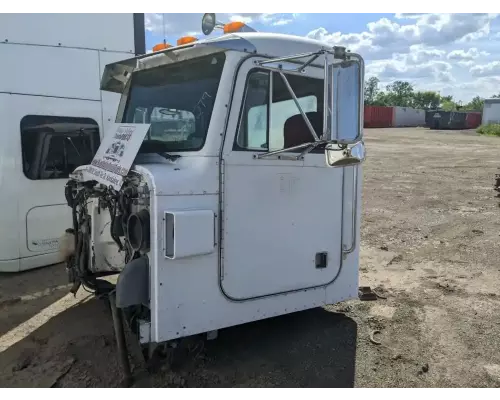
(229, 190)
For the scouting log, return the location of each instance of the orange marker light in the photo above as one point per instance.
(233, 27)
(186, 40)
(161, 46)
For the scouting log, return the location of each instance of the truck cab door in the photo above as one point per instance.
(281, 215)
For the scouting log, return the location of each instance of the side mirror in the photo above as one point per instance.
(344, 102)
(208, 23)
(351, 155)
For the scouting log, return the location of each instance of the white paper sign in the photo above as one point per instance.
(116, 154)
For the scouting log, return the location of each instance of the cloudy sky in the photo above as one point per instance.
(451, 53)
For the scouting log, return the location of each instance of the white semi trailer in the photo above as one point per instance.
(53, 117)
(248, 207)
(491, 111)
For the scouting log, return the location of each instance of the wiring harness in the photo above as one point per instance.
(81, 264)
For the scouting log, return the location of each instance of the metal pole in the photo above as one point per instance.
(326, 99)
(120, 340)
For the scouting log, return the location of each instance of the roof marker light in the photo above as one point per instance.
(161, 46)
(235, 26)
(186, 40)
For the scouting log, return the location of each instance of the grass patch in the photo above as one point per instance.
(489, 130)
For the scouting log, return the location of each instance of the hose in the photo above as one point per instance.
(112, 214)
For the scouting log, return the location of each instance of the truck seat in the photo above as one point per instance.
(295, 130)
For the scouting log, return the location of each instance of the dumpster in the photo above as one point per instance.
(439, 119)
(473, 120)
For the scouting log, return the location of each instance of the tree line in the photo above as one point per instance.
(403, 94)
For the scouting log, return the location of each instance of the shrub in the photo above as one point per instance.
(489, 130)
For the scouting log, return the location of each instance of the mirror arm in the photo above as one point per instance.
(311, 148)
(309, 62)
(315, 54)
(338, 53)
(272, 153)
(300, 68)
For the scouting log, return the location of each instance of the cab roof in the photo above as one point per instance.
(273, 45)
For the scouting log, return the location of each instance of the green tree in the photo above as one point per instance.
(400, 93)
(426, 100)
(449, 105)
(382, 99)
(371, 90)
(476, 104)
(403, 94)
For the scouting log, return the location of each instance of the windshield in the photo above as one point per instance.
(177, 100)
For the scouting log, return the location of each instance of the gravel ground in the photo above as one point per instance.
(429, 228)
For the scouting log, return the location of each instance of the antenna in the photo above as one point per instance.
(164, 30)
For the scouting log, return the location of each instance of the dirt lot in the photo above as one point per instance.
(430, 230)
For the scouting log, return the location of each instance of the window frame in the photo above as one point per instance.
(26, 134)
(272, 76)
(242, 114)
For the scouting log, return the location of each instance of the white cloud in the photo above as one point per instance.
(484, 87)
(271, 18)
(280, 22)
(267, 19)
(470, 54)
(432, 51)
(475, 36)
(173, 23)
(408, 15)
(385, 37)
(452, 53)
(394, 69)
(241, 18)
(490, 69)
(183, 24)
(420, 54)
(466, 64)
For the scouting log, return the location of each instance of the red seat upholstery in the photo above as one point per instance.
(296, 132)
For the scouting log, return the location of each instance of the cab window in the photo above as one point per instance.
(268, 125)
(54, 146)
